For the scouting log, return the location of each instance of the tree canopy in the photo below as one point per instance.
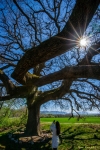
(41, 56)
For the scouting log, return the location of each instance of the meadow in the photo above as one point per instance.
(83, 134)
(89, 119)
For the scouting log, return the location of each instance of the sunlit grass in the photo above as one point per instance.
(82, 134)
(74, 137)
(73, 120)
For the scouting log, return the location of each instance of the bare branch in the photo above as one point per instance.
(91, 52)
(28, 19)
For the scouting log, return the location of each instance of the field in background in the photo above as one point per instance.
(73, 120)
(17, 121)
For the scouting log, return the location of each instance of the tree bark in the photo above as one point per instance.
(33, 122)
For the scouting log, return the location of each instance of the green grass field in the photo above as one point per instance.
(73, 120)
(75, 135)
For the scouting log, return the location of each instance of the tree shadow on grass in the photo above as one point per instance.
(8, 144)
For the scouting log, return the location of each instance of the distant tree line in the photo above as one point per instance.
(66, 115)
(54, 115)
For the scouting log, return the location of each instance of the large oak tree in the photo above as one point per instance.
(39, 47)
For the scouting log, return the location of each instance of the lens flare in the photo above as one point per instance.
(83, 42)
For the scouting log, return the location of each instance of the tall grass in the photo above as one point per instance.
(15, 121)
(6, 122)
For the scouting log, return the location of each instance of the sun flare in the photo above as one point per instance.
(83, 42)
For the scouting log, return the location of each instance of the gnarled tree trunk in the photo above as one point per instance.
(33, 122)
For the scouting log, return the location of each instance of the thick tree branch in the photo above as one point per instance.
(5, 98)
(30, 79)
(56, 93)
(84, 71)
(12, 90)
(7, 82)
(17, 92)
(80, 18)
